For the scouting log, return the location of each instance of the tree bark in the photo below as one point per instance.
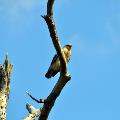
(5, 73)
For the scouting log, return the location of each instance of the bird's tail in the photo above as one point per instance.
(50, 73)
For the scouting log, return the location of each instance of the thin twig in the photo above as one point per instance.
(38, 101)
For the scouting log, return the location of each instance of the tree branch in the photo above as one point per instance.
(50, 7)
(64, 76)
(48, 103)
(53, 34)
(33, 112)
(36, 100)
(53, 96)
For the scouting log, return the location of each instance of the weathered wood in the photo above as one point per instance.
(5, 74)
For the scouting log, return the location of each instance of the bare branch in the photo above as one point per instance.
(31, 109)
(34, 113)
(53, 96)
(38, 101)
(50, 7)
(53, 34)
(64, 76)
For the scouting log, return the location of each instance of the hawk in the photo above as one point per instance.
(55, 64)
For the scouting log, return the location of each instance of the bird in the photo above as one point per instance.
(55, 64)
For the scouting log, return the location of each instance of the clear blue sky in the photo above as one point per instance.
(93, 28)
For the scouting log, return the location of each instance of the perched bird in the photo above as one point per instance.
(55, 64)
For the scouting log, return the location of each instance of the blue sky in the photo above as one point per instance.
(93, 28)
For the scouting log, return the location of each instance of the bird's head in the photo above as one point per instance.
(68, 46)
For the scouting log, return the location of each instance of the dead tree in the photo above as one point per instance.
(64, 77)
(5, 72)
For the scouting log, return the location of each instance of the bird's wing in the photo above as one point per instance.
(52, 71)
(54, 59)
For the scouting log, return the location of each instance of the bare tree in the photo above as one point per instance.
(5, 71)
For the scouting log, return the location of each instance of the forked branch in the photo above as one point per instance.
(64, 76)
(48, 103)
